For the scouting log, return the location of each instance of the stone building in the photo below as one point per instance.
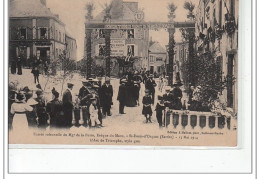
(157, 58)
(71, 47)
(216, 30)
(35, 32)
(126, 43)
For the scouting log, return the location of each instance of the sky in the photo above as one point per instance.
(72, 13)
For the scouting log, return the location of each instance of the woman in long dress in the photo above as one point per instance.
(19, 109)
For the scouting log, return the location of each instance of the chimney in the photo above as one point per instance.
(43, 2)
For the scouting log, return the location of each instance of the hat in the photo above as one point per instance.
(85, 81)
(26, 89)
(146, 91)
(39, 92)
(55, 93)
(123, 81)
(151, 75)
(70, 85)
(20, 96)
(178, 83)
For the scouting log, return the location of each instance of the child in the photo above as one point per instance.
(36, 72)
(147, 110)
(93, 111)
(160, 108)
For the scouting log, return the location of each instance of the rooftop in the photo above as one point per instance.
(156, 47)
(29, 8)
(120, 11)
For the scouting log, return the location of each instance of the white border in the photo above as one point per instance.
(185, 161)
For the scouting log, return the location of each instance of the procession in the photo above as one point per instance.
(123, 71)
(89, 108)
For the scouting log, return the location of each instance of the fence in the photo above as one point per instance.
(202, 119)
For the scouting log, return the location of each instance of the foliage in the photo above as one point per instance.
(68, 67)
(172, 7)
(189, 6)
(90, 8)
(208, 75)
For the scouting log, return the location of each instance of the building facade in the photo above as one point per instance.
(217, 31)
(71, 47)
(35, 32)
(157, 58)
(126, 44)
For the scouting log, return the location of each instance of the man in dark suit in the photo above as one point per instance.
(122, 96)
(168, 103)
(106, 97)
(68, 105)
(150, 85)
(177, 95)
(84, 93)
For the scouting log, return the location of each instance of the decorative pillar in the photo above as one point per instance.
(88, 50)
(171, 54)
(107, 50)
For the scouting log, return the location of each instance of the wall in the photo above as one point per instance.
(227, 44)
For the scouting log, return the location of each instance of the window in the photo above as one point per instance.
(130, 50)
(59, 37)
(130, 34)
(43, 33)
(23, 33)
(159, 59)
(56, 35)
(101, 50)
(101, 33)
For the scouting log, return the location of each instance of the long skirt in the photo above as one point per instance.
(20, 123)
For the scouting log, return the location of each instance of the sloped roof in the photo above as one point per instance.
(29, 8)
(120, 11)
(156, 48)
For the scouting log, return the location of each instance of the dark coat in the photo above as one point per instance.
(35, 72)
(159, 109)
(83, 96)
(54, 108)
(177, 95)
(168, 100)
(106, 95)
(150, 84)
(67, 100)
(122, 94)
(147, 100)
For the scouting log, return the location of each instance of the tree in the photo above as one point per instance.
(68, 67)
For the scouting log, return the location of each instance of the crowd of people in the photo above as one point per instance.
(93, 102)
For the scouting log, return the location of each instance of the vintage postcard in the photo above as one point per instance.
(123, 72)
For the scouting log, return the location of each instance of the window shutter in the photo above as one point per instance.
(135, 50)
(28, 52)
(97, 50)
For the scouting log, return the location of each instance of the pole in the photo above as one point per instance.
(171, 55)
(88, 49)
(107, 51)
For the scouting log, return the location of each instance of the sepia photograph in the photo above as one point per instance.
(123, 72)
